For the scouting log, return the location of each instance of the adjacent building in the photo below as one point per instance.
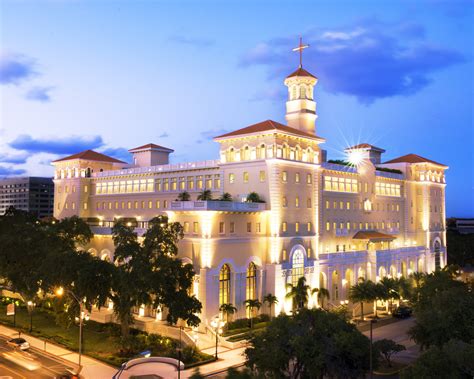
(32, 194)
(332, 222)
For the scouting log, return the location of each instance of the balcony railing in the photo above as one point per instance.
(211, 205)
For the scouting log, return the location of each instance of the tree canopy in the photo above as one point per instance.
(311, 344)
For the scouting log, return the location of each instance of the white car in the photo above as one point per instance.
(19, 343)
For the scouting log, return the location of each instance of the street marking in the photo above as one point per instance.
(13, 371)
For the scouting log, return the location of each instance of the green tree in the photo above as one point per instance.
(388, 290)
(254, 197)
(205, 195)
(453, 360)
(226, 196)
(460, 248)
(311, 344)
(184, 196)
(252, 305)
(444, 311)
(299, 293)
(270, 300)
(228, 310)
(386, 348)
(149, 273)
(363, 291)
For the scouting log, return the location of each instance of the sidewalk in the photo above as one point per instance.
(91, 368)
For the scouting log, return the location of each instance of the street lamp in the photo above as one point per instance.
(179, 352)
(217, 324)
(82, 316)
(371, 364)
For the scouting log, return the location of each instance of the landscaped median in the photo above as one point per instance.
(100, 341)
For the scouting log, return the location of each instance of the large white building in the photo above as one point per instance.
(329, 222)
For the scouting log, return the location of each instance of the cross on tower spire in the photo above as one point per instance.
(300, 48)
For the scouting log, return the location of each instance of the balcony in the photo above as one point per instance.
(223, 206)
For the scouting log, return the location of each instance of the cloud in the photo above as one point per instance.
(277, 94)
(69, 145)
(16, 68)
(192, 41)
(210, 134)
(369, 60)
(40, 94)
(14, 158)
(164, 135)
(118, 153)
(9, 171)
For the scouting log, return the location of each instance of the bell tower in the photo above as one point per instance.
(301, 107)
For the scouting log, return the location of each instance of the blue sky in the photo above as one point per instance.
(112, 75)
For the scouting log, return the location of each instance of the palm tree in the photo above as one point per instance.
(298, 293)
(390, 290)
(184, 196)
(226, 196)
(323, 293)
(270, 300)
(362, 292)
(405, 288)
(252, 304)
(205, 195)
(418, 278)
(228, 309)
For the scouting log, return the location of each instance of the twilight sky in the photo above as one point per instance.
(112, 75)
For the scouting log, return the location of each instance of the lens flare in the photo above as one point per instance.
(355, 157)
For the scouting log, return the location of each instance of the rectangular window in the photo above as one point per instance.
(136, 205)
(297, 177)
(165, 203)
(195, 227)
(308, 202)
(284, 176)
(327, 204)
(221, 227)
(337, 184)
(182, 183)
(199, 182)
(217, 181)
(308, 227)
(348, 205)
(249, 227)
(258, 227)
(166, 184)
(232, 227)
(297, 227)
(208, 181)
(246, 177)
(309, 179)
(387, 189)
(84, 206)
(174, 184)
(129, 205)
(186, 227)
(284, 226)
(157, 204)
(262, 176)
(190, 182)
(150, 204)
(297, 202)
(231, 178)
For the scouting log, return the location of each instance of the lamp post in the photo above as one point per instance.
(217, 324)
(371, 363)
(82, 316)
(179, 352)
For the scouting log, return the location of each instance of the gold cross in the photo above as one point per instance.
(300, 49)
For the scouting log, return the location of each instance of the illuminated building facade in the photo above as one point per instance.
(330, 222)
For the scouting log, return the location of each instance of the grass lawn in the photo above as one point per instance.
(98, 340)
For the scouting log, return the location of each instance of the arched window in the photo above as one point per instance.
(297, 266)
(261, 151)
(230, 155)
(382, 272)
(335, 285)
(437, 252)
(224, 285)
(251, 288)
(361, 274)
(322, 280)
(393, 272)
(246, 153)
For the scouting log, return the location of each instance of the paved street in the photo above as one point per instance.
(49, 366)
(397, 331)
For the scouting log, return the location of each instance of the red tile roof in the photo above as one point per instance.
(301, 72)
(151, 146)
(413, 158)
(268, 125)
(90, 155)
(372, 235)
(365, 146)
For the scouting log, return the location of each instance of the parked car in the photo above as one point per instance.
(402, 312)
(19, 343)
